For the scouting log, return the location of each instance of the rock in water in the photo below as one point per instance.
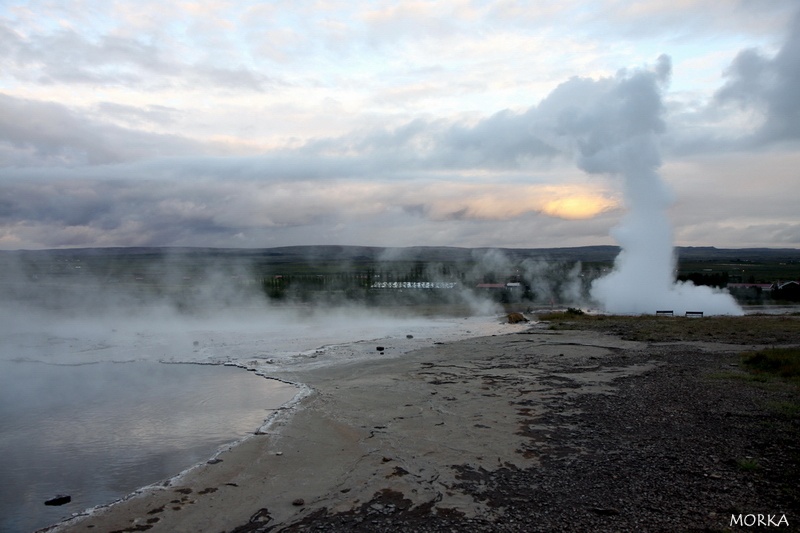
(59, 500)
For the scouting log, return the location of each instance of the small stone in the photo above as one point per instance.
(59, 500)
(299, 502)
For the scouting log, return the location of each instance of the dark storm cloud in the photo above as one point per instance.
(71, 204)
(46, 133)
(82, 212)
(770, 85)
(53, 133)
(504, 140)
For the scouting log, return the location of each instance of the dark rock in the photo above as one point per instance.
(61, 499)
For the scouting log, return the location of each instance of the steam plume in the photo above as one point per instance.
(617, 134)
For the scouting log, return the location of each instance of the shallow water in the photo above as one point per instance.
(99, 431)
(90, 406)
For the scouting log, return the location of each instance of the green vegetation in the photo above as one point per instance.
(751, 271)
(785, 409)
(752, 329)
(775, 370)
(780, 362)
(561, 316)
(748, 464)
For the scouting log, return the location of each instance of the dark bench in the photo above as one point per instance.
(664, 313)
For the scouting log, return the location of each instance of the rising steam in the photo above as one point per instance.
(616, 133)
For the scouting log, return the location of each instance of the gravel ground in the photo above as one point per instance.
(683, 447)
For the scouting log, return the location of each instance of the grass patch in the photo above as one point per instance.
(739, 376)
(785, 409)
(559, 316)
(780, 362)
(748, 464)
(776, 369)
(761, 329)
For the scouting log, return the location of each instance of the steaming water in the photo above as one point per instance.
(99, 431)
(88, 407)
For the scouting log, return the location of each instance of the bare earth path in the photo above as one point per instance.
(539, 430)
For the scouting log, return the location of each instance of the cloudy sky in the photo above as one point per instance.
(451, 122)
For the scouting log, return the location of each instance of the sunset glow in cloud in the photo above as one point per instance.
(579, 206)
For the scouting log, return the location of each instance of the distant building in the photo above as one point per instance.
(758, 286)
(780, 290)
(787, 290)
(414, 285)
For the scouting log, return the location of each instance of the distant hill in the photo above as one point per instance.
(357, 254)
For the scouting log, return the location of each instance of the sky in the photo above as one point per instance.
(249, 124)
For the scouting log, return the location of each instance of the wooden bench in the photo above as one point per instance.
(664, 313)
(694, 314)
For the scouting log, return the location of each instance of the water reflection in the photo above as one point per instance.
(99, 431)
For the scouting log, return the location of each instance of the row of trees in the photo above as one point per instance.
(715, 279)
(787, 293)
(543, 283)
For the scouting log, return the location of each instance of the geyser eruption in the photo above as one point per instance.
(617, 134)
